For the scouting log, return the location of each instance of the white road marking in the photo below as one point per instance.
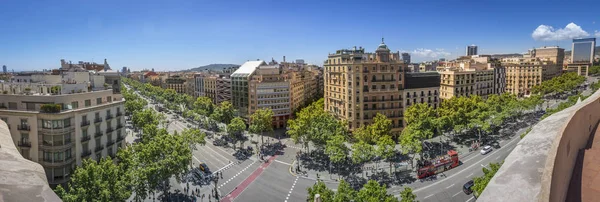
(463, 170)
(448, 187)
(278, 161)
(470, 175)
(498, 157)
(470, 199)
(483, 166)
(291, 189)
(430, 195)
(224, 167)
(456, 194)
(236, 174)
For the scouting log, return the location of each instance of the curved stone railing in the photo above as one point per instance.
(20, 179)
(540, 166)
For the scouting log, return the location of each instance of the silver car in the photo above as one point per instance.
(486, 149)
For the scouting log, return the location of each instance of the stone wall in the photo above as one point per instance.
(20, 179)
(540, 167)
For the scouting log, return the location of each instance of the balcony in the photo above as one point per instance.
(99, 148)
(24, 143)
(24, 127)
(86, 153)
(120, 138)
(85, 123)
(97, 120)
(119, 126)
(119, 114)
(85, 138)
(110, 143)
(56, 131)
(56, 163)
(98, 134)
(56, 145)
(109, 116)
(109, 129)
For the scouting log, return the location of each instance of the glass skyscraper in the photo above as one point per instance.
(583, 50)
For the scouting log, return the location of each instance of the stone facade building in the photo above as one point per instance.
(358, 85)
(57, 120)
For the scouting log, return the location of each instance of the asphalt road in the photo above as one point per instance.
(252, 180)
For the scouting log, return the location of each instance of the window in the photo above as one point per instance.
(84, 118)
(97, 115)
(98, 100)
(88, 103)
(67, 122)
(75, 105)
(84, 132)
(12, 105)
(109, 98)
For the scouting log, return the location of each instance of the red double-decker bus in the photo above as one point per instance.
(438, 165)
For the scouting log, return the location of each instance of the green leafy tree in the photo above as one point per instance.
(373, 192)
(97, 181)
(313, 124)
(481, 182)
(370, 134)
(204, 106)
(407, 195)
(362, 152)
(261, 122)
(386, 149)
(235, 130)
(344, 192)
(224, 112)
(319, 188)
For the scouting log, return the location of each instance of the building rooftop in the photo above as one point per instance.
(248, 67)
(20, 179)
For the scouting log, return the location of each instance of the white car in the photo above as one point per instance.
(486, 149)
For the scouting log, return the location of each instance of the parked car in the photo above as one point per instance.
(486, 149)
(467, 187)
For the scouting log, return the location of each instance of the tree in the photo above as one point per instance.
(373, 192)
(313, 124)
(407, 195)
(224, 112)
(362, 153)
(370, 134)
(481, 182)
(145, 117)
(336, 149)
(203, 106)
(97, 181)
(235, 130)
(344, 192)
(411, 141)
(386, 149)
(261, 121)
(319, 188)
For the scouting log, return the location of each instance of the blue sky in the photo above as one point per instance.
(175, 35)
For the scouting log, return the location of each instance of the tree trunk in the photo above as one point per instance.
(390, 168)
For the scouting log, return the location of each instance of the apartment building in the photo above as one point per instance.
(198, 85)
(210, 87)
(239, 86)
(57, 120)
(269, 88)
(522, 74)
(223, 89)
(422, 87)
(476, 75)
(176, 83)
(359, 84)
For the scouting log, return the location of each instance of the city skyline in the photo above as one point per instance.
(184, 35)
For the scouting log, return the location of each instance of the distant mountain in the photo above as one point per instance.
(214, 67)
(510, 55)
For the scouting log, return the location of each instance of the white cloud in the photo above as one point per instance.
(597, 33)
(428, 53)
(548, 33)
